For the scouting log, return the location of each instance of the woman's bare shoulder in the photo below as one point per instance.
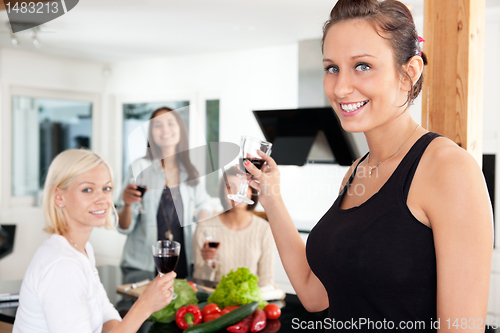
(447, 170)
(443, 156)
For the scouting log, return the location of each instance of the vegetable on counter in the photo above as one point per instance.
(259, 321)
(188, 316)
(210, 308)
(241, 326)
(228, 309)
(211, 317)
(185, 296)
(226, 320)
(237, 288)
(272, 311)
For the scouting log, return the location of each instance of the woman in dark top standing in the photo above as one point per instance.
(409, 239)
(173, 200)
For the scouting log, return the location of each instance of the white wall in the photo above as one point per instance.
(243, 81)
(21, 69)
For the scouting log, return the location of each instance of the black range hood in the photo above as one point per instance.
(294, 133)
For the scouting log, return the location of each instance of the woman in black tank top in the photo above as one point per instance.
(407, 245)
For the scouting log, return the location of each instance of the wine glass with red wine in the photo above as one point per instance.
(166, 255)
(212, 239)
(248, 150)
(141, 187)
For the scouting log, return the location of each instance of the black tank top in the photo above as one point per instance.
(376, 260)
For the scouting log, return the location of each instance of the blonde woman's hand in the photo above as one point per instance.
(131, 194)
(158, 294)
(266, 180)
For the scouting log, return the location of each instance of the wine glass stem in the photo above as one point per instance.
(243, 189)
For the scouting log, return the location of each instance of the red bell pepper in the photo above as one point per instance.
(184, 321)
(259, 321)
(242, 326)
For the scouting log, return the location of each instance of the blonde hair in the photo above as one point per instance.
(62, 171)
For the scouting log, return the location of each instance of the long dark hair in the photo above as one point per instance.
(391, 17)
(226, 204)
(181, 150)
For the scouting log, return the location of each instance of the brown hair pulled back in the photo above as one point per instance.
(392, 18)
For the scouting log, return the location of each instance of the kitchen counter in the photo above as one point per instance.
(113, 276)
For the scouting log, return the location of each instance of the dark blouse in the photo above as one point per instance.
(168, 217)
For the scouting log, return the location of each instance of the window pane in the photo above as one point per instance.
(41, 129)
(136, 114)
(212, 136)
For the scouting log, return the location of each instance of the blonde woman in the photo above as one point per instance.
(61, 291)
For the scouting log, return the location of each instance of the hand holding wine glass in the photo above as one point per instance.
(266, 180)
(212, 243)
(158, 294)
(249, 148)
(166, 255)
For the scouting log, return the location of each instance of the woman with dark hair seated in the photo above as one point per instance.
(245, 240)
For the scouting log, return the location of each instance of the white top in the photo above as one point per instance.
(62, 292)
(252, 247)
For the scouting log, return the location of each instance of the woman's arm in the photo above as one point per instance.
(154, 298)
(266, 262)
(203, 207)
(128, 196)
(458, 207)
(290, 245)
(201, 269)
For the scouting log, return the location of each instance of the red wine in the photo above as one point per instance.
(258, 162)
(165, 263)
(142, 189)
(213, 244)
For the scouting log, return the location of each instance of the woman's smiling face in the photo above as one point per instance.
(361, 81)
(88, 198)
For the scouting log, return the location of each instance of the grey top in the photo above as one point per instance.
(142, 232)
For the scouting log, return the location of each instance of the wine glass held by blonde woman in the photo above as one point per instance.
(169, 209)
(61, 290)
(409, 238)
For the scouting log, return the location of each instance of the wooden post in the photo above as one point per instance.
(452, 96)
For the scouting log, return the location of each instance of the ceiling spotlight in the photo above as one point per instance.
(14, 40)
(34, 38)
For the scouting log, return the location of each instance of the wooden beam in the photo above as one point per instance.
(452, 99)
(12, 2)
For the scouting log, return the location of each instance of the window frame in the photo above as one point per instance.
(7, 199)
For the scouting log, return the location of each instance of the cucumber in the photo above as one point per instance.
(202, 296)
(226, 320)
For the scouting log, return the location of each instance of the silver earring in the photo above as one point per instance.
(60, 206)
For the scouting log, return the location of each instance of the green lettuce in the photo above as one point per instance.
(237, 288)
(185, 296)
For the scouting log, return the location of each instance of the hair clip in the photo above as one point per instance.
(420, 40)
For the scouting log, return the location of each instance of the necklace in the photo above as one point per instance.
(397, 151)
(76, 246)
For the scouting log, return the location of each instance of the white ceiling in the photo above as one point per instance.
(114, 30)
